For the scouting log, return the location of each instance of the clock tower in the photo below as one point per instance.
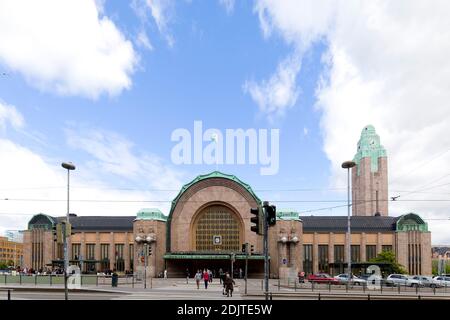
(370, 176)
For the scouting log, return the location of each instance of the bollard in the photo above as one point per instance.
(417, 289)
(20, 278)
(346, 287)
(51, 281)
(132, 281)
(329, 286)
(368, 297)
(364, 287)
(319, 295)
(312, 286)
(9, 294)
(295, 286)
(151, 283)
(434, 289)
(278, 284)
(262, 284)
(419, 296)
(398, 290)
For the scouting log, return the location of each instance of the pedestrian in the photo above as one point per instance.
(220, 275)
(240, 273)
(198, 276)
(187, 275)
(165, 274)
(301, 277)
(206, 278)
(228, 285)
(210, 274)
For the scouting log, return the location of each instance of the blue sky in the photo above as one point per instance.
(204, 62)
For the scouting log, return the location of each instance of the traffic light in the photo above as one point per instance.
(271, 215)
(258, 227)
(245, 248)
(55, 232)
(150, 250)
(252, 249)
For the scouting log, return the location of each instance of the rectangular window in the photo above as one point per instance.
(104, 257)
(355, 250)
(131, 257)
(76, 249)
(90, 251)
(339, 253)
(371, 252)
(323, 258)
(386, 248)
(308, 258)
(120, 263)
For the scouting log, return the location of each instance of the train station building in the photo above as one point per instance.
(209, 220)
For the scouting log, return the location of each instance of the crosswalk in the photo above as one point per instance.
(182, 292)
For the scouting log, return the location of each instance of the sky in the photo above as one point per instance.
(104, 84)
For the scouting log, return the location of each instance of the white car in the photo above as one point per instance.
(440, 281)
(402, 280)
(343, 278)
(424, 280)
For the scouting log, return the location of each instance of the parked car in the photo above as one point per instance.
(401, 280)
(373, 279)
(322, 278)
(440, 281)
(424, 281)
(343, 279)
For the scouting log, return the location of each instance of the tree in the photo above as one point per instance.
(388, 256)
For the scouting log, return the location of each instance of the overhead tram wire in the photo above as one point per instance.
(420, 165)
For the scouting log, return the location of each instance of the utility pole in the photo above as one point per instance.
(246, 266)
(266, 250)
(145, 264)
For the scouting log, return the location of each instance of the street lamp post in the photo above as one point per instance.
(146, 241)
(347, 165)
(68, 166)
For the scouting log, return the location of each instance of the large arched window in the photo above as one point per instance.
(217, 229)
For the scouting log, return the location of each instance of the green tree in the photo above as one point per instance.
(389, 257)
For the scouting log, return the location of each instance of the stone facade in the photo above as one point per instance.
(370, 176)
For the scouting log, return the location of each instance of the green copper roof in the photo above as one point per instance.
(214, 174)
(41, 221)
(288, 215)
(151, 214)
(411, 221)
(369, 146)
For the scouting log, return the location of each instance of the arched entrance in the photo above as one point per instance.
(216, 229)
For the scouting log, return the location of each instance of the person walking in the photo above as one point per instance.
(198, 277)
(210, 275)
(165, 274)
(228, 285)
(220, 275)
(187, 275)
(206, 278)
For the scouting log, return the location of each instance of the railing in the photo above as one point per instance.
(381, 287)
(58, 279)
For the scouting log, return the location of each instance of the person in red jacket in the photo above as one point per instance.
(206, 278)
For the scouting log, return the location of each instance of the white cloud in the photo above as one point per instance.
(387, 65)
(9, 114)
(299, 25)
(228, 5)
(114, 154)
(113, 161)
(162, 13)
(280, 92)
(143, 40)
(65, 46)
